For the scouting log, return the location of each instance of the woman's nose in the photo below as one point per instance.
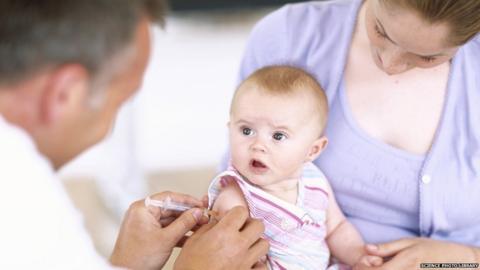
(394, 61)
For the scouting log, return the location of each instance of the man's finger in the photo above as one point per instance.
(183, 224)
(235, 218)
(168, 217)
(162, 215)
(260, 266)
(205, 201)
(258, 250)
(204, 228)
(182, 241)
(389, 248)
(167, 221)
(252, 230)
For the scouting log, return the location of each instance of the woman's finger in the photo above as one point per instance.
(390, 248)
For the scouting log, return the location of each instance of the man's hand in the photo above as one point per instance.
(409, 253)
(233, 243)
(148, 236)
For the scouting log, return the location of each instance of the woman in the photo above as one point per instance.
(404, 124)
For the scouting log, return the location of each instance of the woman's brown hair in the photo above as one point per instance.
(463, 16)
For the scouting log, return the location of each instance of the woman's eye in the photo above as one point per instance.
(279, 136)
(247, 131)
(379, 33)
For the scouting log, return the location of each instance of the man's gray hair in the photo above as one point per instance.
(37, 34)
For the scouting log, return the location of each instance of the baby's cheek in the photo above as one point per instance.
(239, 157)
(291, 162)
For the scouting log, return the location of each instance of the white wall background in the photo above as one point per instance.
(178, 119)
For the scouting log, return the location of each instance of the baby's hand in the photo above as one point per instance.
(369, 261)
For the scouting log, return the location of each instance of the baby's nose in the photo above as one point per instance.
(258, 146)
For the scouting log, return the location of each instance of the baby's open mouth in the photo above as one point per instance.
(257, 164)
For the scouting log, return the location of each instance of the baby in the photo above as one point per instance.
(277, 119)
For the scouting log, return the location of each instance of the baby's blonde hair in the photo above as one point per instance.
(287, 80)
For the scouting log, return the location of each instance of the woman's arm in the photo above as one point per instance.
(409, 253)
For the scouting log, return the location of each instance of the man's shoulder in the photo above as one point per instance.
(40, 226)
(19, 156)
(12, 136)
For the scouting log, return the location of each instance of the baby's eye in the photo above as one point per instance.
(278, 136)
(247, 131)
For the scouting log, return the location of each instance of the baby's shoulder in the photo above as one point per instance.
(314, 181)
(315, 192)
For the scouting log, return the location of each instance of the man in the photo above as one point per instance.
(66, 66)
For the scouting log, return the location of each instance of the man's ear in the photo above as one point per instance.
(67, 88)
(317, 148)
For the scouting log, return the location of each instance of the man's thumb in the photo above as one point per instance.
(183, 224)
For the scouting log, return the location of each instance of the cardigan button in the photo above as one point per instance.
(426, 178)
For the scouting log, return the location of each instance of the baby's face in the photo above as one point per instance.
(271, 137)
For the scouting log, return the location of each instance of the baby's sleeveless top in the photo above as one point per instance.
(296, 233)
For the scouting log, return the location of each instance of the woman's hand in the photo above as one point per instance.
(409, 253)
(232, 243)
(148, 236)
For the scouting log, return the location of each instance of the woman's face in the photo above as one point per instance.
(401, 40)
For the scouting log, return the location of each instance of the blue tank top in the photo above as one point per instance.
(378, 187)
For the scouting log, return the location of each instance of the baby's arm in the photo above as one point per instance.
(230, 196)
(343, 239)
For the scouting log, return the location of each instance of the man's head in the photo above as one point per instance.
(35, 35)
(277, 119)
(68, 65)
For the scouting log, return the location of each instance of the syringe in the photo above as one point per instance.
(168, 204)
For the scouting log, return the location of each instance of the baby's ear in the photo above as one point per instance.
(317, 148)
